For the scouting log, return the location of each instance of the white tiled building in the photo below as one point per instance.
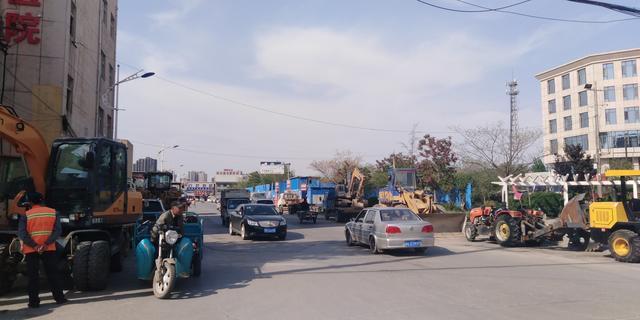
(572, 113)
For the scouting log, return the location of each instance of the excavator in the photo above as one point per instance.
(86, 181)
(351, 200)
(401, 191)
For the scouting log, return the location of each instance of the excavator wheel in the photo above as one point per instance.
(7, 275)
(81, 266)
(625, 246)
(507, 231)
(99, 261)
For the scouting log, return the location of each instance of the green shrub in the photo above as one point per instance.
(550, 202)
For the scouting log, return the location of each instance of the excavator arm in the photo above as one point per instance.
(356, 175)
(28, 142)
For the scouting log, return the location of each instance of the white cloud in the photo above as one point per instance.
(180, 9)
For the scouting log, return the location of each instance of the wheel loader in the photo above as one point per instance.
(86, 181)
(402, 191)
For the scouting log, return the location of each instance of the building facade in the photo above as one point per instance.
(198, 176)
(60, 64)
(593, 102)
(227, 178)
(146, 165)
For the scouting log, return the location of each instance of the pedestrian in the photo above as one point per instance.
(38, 230)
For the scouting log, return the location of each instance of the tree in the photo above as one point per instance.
(574, 161)
(488, 147)
(436, 167)
(401, 161)
(481, 181)
(538, 166)
(338, 168)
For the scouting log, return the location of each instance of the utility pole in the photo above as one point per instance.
(512, 91)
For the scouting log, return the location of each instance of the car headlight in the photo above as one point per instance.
(252, 223)
(283, 222)
(171, 237)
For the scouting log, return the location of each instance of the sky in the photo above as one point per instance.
(239, 82)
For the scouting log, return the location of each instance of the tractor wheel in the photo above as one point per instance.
(507, 231)
(80, 269)
(625, 246)
(99, 258)
(470, 231)
(7, 273)
(579, 240)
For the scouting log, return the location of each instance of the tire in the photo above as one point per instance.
(80, 266)
(420, 250)
(7, 272)
(470, 231)
(163, 282)
(196, 266)
(625, 246)
(315, 219)
(282, 237)
(327, 216)
(579, 240)
(348, 238)
(116, 262)
(373, 247)
(243, 233)
(507, 231)
(231, 232)
(99, 261)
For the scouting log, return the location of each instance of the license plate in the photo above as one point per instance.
(412, 244)
(269, 230)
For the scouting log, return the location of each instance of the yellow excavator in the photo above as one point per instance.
(401, 191)
(86, 181)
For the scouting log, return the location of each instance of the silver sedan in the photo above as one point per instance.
(389, 228)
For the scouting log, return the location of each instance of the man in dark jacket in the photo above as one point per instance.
(171, 218)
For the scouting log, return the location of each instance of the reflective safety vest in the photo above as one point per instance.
(40, 224)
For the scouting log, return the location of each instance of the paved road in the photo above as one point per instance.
(314, 275)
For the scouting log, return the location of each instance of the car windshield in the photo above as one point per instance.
(398, 215)
(234, 203)
(152, 206)
(259, 211)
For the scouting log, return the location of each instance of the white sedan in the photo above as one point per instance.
(389, 228)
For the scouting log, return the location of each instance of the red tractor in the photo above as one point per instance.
(507, 227)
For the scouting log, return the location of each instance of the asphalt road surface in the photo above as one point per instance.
(314, 275)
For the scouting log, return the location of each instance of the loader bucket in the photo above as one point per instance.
(572, 215)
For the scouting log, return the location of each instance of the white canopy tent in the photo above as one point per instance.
(556, 180)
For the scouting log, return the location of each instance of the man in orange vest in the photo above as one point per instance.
(38, 229)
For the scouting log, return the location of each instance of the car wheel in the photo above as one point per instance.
(231, 232)
(420, 250)
(243, 233)
(282, 237)
(347, 236)
(373, 247)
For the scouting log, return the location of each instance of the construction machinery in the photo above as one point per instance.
(402, 191)
(159, 185)
(86, 181)
(349, 198)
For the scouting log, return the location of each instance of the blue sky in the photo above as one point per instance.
(380, 64)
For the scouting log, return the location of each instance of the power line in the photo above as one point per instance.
(487, 9)
(473, 11)
(615, 7)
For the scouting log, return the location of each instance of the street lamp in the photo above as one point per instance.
(161, 154)
(116, 87)
(591, 87)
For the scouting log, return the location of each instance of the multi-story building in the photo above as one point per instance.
(593, 102)
(198, 176)
(60, 64)
(146, 165)
(227, 178)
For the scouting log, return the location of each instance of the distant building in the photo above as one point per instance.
(199, 176)
(146, 165)
(227, 178)
(593, 102)
(198, 188)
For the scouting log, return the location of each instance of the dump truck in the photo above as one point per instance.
(86, 181)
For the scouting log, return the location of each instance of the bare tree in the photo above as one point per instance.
(488, 147)
(412, 142)
(338, 168)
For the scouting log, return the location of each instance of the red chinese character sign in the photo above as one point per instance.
(32, 3)
(20, 27)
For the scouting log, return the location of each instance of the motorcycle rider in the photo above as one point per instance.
(170, 218)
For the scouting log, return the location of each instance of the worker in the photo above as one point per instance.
(170, 218)
(38, 230)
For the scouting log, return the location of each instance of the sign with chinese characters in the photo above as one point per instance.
(20, 27)
(271, 167)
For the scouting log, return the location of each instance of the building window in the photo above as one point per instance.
(111, 75)
(584, 120)
(553, 126)
(69, 94)
(551, 86)
(566, 102)
(553, 146)
(630, 91)
(582, 77)
(582, 97)
(103, 61)
(113, 26)
(607, 71)
(629, 69)
(609, 94)
(620, 139)
(566, 82)
(610, 116)
(581, 140)
(567, 123)
(100, 132)
(551, 105)
(72, 22)
(105, 7)
(632, 115)
(109, 126)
